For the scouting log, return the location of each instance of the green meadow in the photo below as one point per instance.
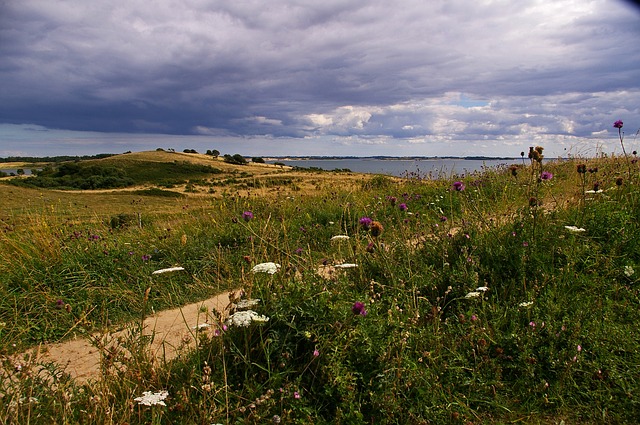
(506, 296)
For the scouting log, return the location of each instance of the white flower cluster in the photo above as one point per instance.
(575, 229)
(244, 318)
(345, 266)
(479, 290)
(242, 304)
(151, 399)
(269, 267)
(170, 269)
(628, 271)
(525, 304)
(340, 238)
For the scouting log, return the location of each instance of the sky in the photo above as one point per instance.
(336, 77)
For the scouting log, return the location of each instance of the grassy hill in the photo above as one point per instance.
(504, 296)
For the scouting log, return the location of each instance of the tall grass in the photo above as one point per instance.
(481, 305)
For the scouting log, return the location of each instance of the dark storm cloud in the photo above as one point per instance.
(415, 71)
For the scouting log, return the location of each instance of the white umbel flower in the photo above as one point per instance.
(525, 304)
(269, 267)
(244, 318)
(340, 238)
(575, 229)
(345, 266)
(473, 294)
(149, 398)
(170, 269)
(242, 304)
(628, 271)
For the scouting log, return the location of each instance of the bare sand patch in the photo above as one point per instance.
(171, 329)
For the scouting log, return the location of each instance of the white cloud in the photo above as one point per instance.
(420, 73)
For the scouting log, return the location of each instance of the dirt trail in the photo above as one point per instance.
(171, 329)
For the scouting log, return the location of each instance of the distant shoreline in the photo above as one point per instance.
(390, 158)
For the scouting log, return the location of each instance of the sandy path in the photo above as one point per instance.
(171, 328)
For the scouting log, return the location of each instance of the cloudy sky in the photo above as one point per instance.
(331, 77)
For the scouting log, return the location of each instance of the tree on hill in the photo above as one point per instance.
(257, 159)
(235, 159)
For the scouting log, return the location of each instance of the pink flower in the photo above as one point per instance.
(316, 353)
(358, 308)
(458, 186)
(296, 394)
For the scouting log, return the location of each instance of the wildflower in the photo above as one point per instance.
(299, 250)
(376, 229)
(619, 181)
(532, 324)
(247, 215)
(244, 318)
(358, 308)
(579, 348)
(201, 326)
(296, 395)
(525, 304)
(628, 271)
(269, 267)
(365, 222)
(146, 257)
(370, 247)
(392, 199)
(545, 175)
(316, 353)
(473, 294)
(575, 229)
(276, 419)
(443, 218)
(59, 304)
(581, 169)
(403, 207)
(474, 318)
(533, 202)
(345, 266)
(514, 169)
(340, 238)
(458, 186)
(170, 269)
(151, 399)
(482, 288)
(247, 303)
(617, 124)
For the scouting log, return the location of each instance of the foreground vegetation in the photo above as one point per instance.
(504, 296)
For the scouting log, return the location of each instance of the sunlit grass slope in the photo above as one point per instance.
(504, 296)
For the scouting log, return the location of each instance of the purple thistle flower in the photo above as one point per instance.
(247, 215)
(403, 207)
(617, 124)
(366, 222)
(545, 175)
(146, 257)
(358, 308)
(458, 186)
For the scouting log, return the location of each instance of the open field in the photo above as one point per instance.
(505, 296)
